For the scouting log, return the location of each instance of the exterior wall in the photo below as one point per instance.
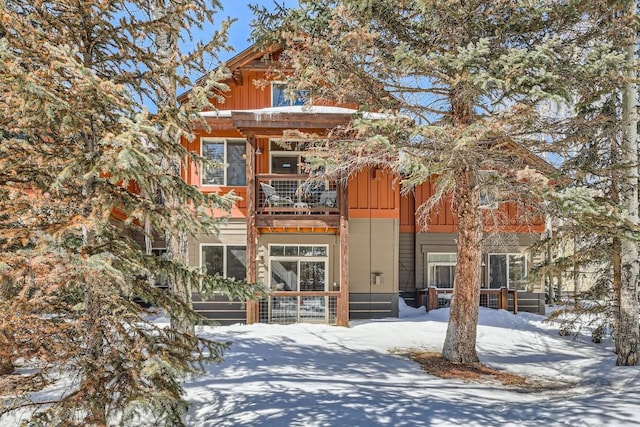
(232, 233)
(245, 96)
(373, 248)
(446, 242)
(219, 310)
(372, 195)
(506, 218)
(407, 262)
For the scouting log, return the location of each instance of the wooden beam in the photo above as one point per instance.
(252, 234)
(342, 318)
(304, 221)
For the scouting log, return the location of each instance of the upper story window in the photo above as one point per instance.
(227, 151)
(279, 98)
(488, 193)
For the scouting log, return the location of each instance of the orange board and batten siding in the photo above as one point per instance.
(245, 96)
(371, 192)
(441, 219)
(372, 195)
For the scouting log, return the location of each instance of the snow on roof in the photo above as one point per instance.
(297, 109)
(219, 113)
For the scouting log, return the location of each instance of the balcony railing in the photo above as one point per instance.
(286, 307)
(279, 194)
(501, 299)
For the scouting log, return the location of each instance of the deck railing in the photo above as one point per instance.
(293, 194)
(501, 299)
(286, 307)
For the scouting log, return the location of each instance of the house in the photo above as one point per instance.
(331, 252)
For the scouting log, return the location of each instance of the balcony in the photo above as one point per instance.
(284, 200)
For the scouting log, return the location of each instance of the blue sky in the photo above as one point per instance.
(240, 29)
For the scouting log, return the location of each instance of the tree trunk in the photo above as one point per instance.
(460, 341)
(627, 336)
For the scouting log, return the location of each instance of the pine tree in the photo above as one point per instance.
(599, 147)
(81, 174)
(462, 82)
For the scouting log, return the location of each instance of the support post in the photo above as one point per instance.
(432, 298)
(515, 301)
(503, 300)
(342, 318)
(252, 233)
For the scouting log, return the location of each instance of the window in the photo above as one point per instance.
(161, 279)
(230, 152)
(298, 268)
(279, 97)
(507, 270)
(225, 260)
(441, 268)
(488, 192)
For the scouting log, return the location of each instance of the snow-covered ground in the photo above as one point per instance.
(319, 375)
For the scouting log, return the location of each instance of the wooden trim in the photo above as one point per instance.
(300, 221)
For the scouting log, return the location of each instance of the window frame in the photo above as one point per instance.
(299, 101)
(225, 160)
(440, 263)
(508, 256)
(225, 260)
(298, 258)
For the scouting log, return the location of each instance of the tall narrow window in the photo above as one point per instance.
(507, 270)
(228, 152)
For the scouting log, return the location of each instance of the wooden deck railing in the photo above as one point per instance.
(501, 299)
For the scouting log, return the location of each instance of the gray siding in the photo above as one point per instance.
(220, 310)
(406, 273)
(531, 302)
(372, 306)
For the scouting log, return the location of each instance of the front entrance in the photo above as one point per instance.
(302, 272)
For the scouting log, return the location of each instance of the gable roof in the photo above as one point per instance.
(251, 57)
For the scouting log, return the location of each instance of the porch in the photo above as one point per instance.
(287, 307)
(501, 299)
(286, 198)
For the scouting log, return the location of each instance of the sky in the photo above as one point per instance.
(240, 30)
(314, 375)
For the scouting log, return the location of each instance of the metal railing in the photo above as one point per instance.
(292, 194)
(286, 307)
(501, 299)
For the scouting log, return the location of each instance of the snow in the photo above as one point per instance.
(320, 375)
(296, 109)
